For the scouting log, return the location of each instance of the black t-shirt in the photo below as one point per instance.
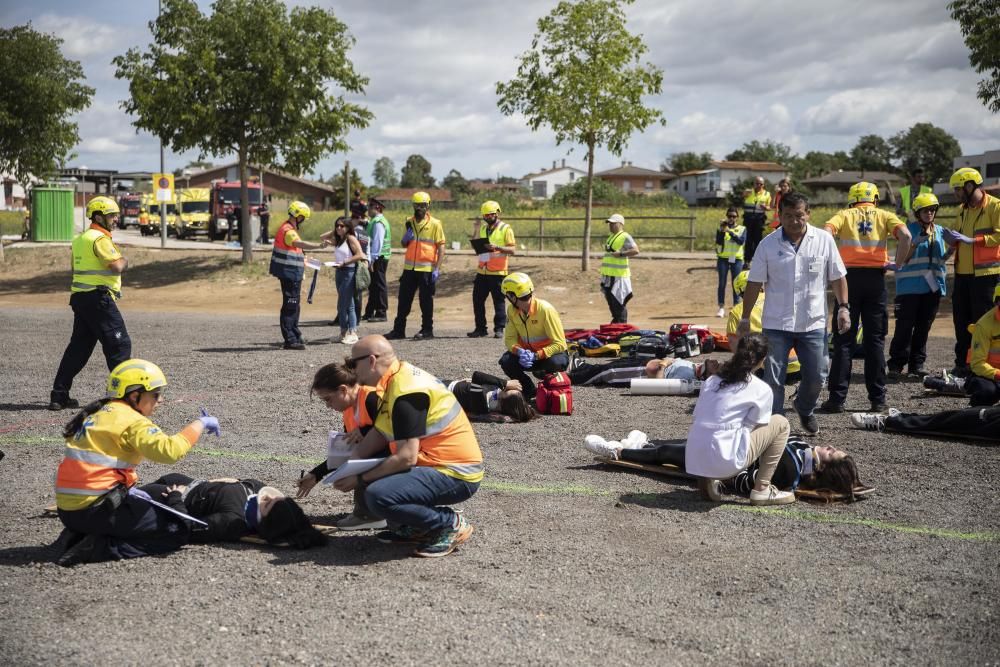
(409, 416)
(221, 505)
(473, 396)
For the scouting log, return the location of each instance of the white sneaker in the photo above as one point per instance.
(602, 447)
(721, 313)
(350, 339)
(868, 420)
(635, 440)
(771, 496)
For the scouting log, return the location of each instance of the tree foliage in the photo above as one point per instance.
(872, 153)
(979, 21)
(215, 83)
(457, 183)
(384, 174)
(763, 151)
(678, 163)
(337, 200)
(928, 147)
(816, 163)
(416, 173)
(583, 78)
(41, 92)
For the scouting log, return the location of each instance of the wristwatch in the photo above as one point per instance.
(844, 305)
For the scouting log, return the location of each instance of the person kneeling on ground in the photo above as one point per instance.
(983, 386)
(484, 394)
(435, 458)
(975, 422)
(534, 336)
(733, 427)
(338, 387)
(104, 518)
(233, 508)
(800, 465)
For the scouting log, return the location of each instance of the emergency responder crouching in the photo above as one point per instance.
(492, 269)
(534, 336)
(288, 266)
(983, 386)
(97, 284)
(424, 242)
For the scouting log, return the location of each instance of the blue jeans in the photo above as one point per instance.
(411, 498)
(811, 349)
(345, 298)
(723, 266)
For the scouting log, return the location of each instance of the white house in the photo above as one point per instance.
(712, 185)
(545, 183)
(987, 164)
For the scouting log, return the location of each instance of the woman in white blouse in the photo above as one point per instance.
(733, 427)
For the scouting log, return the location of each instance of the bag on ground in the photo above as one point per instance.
(555, 395)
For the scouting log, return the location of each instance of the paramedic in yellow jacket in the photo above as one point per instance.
(434, 457)
(106, 518)
(983, 386)
(492, 269)
(424, 243)
(534, 336)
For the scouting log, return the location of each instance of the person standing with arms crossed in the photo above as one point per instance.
(97, 285)
(492, 269)
(755, 206)
(616, 278)
(379, 250)
(796, 263)
(288, 266)
(424, 242)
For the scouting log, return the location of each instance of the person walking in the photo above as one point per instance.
(492, 269)
(288, 266)
(921, 281)
(347, 253)
(729, 240)
(534, 337)
(796, 263)
(379, 250)
(862, 232)
(976, 237)
(616, 278)
(908, 193)
(424, 242)
(756, 203)
(96, 287)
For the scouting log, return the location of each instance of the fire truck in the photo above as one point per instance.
(224, 197)
(129, 205)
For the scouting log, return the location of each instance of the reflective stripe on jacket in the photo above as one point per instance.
(422, 252)
(540, 331)
(89, 271)
(287, 262)
(616, 267)
(927, 256)
(494, 263)
(862, 234)
(731, 247)
(984, 359)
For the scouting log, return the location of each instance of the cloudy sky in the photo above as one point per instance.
(811, 74)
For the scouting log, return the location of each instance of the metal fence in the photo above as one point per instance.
(541, 236)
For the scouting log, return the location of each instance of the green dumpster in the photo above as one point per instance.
(51, 214)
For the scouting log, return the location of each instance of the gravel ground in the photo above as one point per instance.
(570, 562)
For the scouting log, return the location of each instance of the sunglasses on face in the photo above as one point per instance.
(352, 362)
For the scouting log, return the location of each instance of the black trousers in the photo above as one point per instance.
(410, 283)
(619, 311)
(482, 287)
(95, 318)
(378, 291)
(291, 295)
(512, 367)
(265, 220)
(663, 451)
(972, 297)
(755, 232)
(982, 391)
(914, 315)
(978, 422)
(869, 299)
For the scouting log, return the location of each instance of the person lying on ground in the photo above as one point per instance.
(978, 422)
(105, 442)
(337, 385)
(485, 394)
(233, 508)
(801, 464)
(621, 372)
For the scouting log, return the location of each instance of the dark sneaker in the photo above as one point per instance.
(401, 535)
(919, 372)
(960, 371)
(377, 318)
(478, 333)
(809, 424)
(63, 403)
(89, 549)
(423, 335)
(498, 333)
(879, 406)
(67, 540)
(893, 373)
(294, 346)
(711, 489)
(445, 541)
(829, 407)
(395, 335)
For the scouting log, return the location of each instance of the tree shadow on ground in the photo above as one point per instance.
(16, 407)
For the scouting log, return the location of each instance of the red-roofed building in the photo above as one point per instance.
(712, 185)
(636, 180)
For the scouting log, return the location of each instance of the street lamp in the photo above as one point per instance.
(187, 177)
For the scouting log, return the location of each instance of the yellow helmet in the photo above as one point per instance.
(862, 192)
(518, 284)
(420, 198)
(297, 209)
(102, 205)
(963, 176)
(740, 282)
(133, 374)
(925, 200)
(489, 207)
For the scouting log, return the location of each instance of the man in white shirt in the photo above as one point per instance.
(796, 263)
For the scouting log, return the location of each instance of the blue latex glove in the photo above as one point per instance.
(526, 358)
(210, 423)
(408, 236)
(955, 237)
(435, 274)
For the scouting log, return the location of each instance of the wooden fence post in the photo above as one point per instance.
(541, 233)
(691, 234)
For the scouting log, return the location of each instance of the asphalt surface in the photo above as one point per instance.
(571, 562)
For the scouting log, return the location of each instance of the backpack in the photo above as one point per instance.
(656, 346)
(705, 338)
(555, 395)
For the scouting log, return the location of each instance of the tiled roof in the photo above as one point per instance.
(404, 194)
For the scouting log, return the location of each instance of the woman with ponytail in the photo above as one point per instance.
(105, 517)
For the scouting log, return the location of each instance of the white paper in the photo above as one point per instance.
(352, 467)
(331, 264)
(338, 451)
(313, 264)
(932, 281)
(145, 497)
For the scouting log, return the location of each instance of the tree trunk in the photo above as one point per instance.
(585, 266)
(245, 239)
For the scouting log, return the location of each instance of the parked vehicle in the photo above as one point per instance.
(193, 212)
(223, 200)
(152, 221)
(130, 205)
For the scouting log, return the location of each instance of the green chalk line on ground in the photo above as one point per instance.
(558, 489)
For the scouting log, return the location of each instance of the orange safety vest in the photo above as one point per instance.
(494, 262)
(357, 417)
(287, 262)
(985, 259)
(422, 252)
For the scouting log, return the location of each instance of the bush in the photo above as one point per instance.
(575, 194)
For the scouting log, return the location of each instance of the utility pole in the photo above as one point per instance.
(163, 204)
(347, 188)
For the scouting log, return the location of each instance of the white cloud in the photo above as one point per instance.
(83, 36)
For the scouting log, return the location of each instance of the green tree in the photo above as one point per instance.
(816, 163)
(979, 21)
(578, 193)
(926, 146)
(455, 182)
(336, 181)
(763, 151)
(686, 161)
(384, 174)
(416, 173)
(583, 77)
(872, 153)
(212, 82)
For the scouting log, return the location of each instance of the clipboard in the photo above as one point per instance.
(352, 467)
(481, 246)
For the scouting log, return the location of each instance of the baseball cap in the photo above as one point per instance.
(617, 217)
